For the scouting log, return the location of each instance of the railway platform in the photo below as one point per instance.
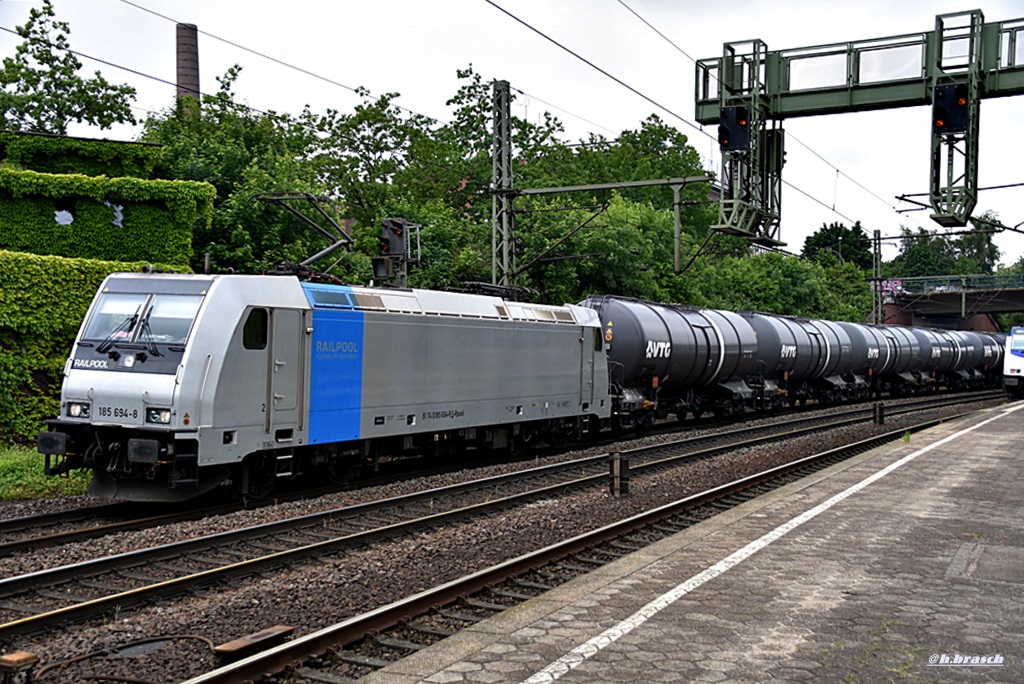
(906, 562)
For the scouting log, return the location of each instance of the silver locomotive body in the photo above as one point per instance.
(178, 384)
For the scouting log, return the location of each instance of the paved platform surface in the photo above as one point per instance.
(902, 564)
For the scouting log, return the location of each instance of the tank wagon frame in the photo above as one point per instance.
(671, 359)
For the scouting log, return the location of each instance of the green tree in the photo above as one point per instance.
(242, 153)
(356, 156)
(850, 245)
(922, 254)
(40, 90)
(976, 252)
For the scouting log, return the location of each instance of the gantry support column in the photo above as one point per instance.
(503, 260)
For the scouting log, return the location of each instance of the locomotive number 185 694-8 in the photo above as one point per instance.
(117, 412)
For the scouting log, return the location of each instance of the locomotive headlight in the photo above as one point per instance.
(78, 410)
(158, 415)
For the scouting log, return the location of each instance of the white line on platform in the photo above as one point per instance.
(584, 651)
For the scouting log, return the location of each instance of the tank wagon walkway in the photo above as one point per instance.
(904, 562)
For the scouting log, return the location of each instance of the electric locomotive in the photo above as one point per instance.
(179, 384)
(1013, 363)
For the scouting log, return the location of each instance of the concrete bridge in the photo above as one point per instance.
(956, 302)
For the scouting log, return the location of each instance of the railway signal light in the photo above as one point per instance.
(950, 108)
(392, 237)
(382, 268)
(734, 128)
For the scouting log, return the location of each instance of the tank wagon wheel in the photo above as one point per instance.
(259, 475)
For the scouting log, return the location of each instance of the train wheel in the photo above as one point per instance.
(259, 475)
(643, 422)
(340, 470)
(521, 443)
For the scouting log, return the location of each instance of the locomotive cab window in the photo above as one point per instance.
(115, 315)
(143, 318)
(254, 333)
(169, 318)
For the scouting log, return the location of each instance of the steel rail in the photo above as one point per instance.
(135, 522)
(12, 587)
(318, 643)
(57, 575)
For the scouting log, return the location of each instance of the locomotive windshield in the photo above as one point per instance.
(161, 318)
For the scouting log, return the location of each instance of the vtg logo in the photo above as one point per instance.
(658, 350)
(788, 351)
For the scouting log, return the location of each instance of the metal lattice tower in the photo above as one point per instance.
(751, 177)
(981, 59)
(954, 174)
(503, 259)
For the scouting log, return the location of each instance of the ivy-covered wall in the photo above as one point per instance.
(43, 300)
(112, 219)
(72, 211)
(57, 154)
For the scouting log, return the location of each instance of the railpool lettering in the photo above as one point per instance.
(336, 346)
(91, 363)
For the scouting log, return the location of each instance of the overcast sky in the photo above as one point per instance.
(414, 47)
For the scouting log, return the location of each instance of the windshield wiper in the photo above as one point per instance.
(117, 333)
(146, 334)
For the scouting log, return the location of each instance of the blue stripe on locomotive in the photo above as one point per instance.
(336, 366)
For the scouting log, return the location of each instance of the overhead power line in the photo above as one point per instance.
(595, 67)
(637, 92)
(789, 136)
(273, 59)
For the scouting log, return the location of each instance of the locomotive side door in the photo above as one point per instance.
(285, 373)
(590, 341)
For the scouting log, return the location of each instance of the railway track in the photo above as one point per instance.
(365, 643)
(42, 600)
(76, 525)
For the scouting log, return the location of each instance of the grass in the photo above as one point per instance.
(21, 477)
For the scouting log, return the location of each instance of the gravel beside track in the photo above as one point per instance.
(316, 594)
